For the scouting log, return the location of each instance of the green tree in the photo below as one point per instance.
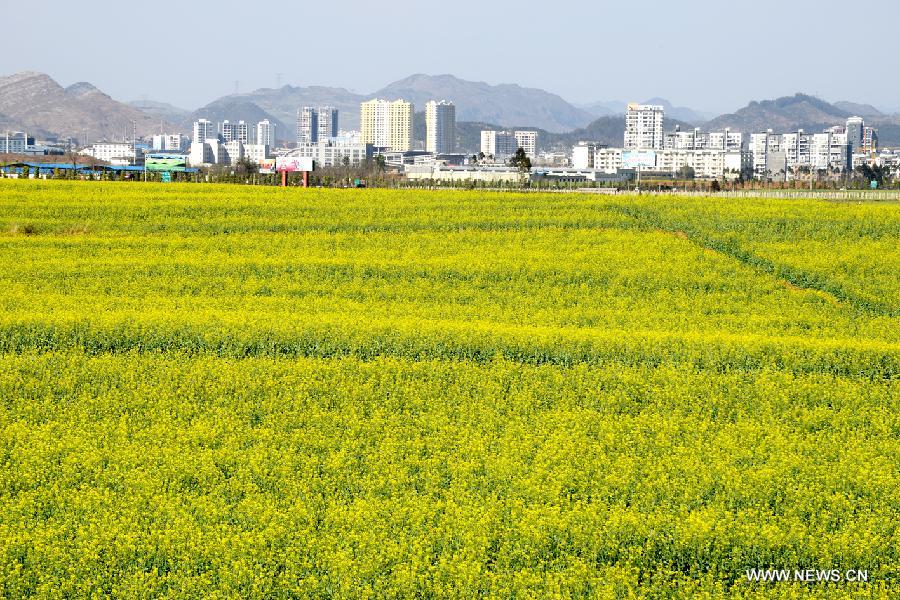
(521, 161)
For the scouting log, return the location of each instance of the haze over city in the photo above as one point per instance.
(699, 53)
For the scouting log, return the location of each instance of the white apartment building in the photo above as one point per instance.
(210, 151)
(256, 153)
(780, 155)
(644, 127)
(440, 127)
(727, 140)
(608, 160)
(333, 152)
(707, 164)
(583, 155)
(234, 153)
(387, 124)
(498, 144)
(234, 132)
(527, 141)
(265, 133)
(504, 144)
(114, 152)
(170, 141)
(203, 130)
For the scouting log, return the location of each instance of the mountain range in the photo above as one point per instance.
(34, 102)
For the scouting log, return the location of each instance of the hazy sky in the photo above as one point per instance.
(712, 55)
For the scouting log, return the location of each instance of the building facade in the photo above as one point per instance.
(203, 130)
(170, 141)
(316, 123)
(265, 133)
(334, 152)
(527, 141)
(644, 127)
(440, 127)
(387, 124)
(781, 156)
(115, 153)
(504, 144)
(727, 140)
(231, 132)
(15, 143)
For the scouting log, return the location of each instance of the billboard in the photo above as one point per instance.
(293, 163)
(635, 159)
(165, 162)
(267, 165)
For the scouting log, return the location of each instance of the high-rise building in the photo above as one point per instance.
(855, 128)
(243, 132)
(307, 125)
(387, 124)
(316, 124)
(203, 130)
(440, 127)
(328, 123)
(265, 133)
(644, 127)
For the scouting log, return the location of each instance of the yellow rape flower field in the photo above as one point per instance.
(231, 391)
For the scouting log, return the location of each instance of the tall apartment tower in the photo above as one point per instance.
(242, 132)
(265, 133)
(644, 127)
(315, 124)
(307, 125)
(328, 122)
(855, 131)
(203, 130)
(440, 127)
(387, 124)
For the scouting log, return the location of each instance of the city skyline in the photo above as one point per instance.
(674, 44)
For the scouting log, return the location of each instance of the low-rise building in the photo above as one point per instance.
(173, 142)
(16, 142)
(334, 152)
(115, 153)
(256, 153)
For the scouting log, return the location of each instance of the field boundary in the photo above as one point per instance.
(731, 247)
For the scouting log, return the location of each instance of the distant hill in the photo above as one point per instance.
(161, 111)
(860, 110)
(241, 108)
(605, 130)
(35, 103)
(615, 108)
(680, 113)
(283, 102)
(604, 108)
(783, 114)
(506, 105)
(503, 105)
(809, 113)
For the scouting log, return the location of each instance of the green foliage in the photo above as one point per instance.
(236, 391)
